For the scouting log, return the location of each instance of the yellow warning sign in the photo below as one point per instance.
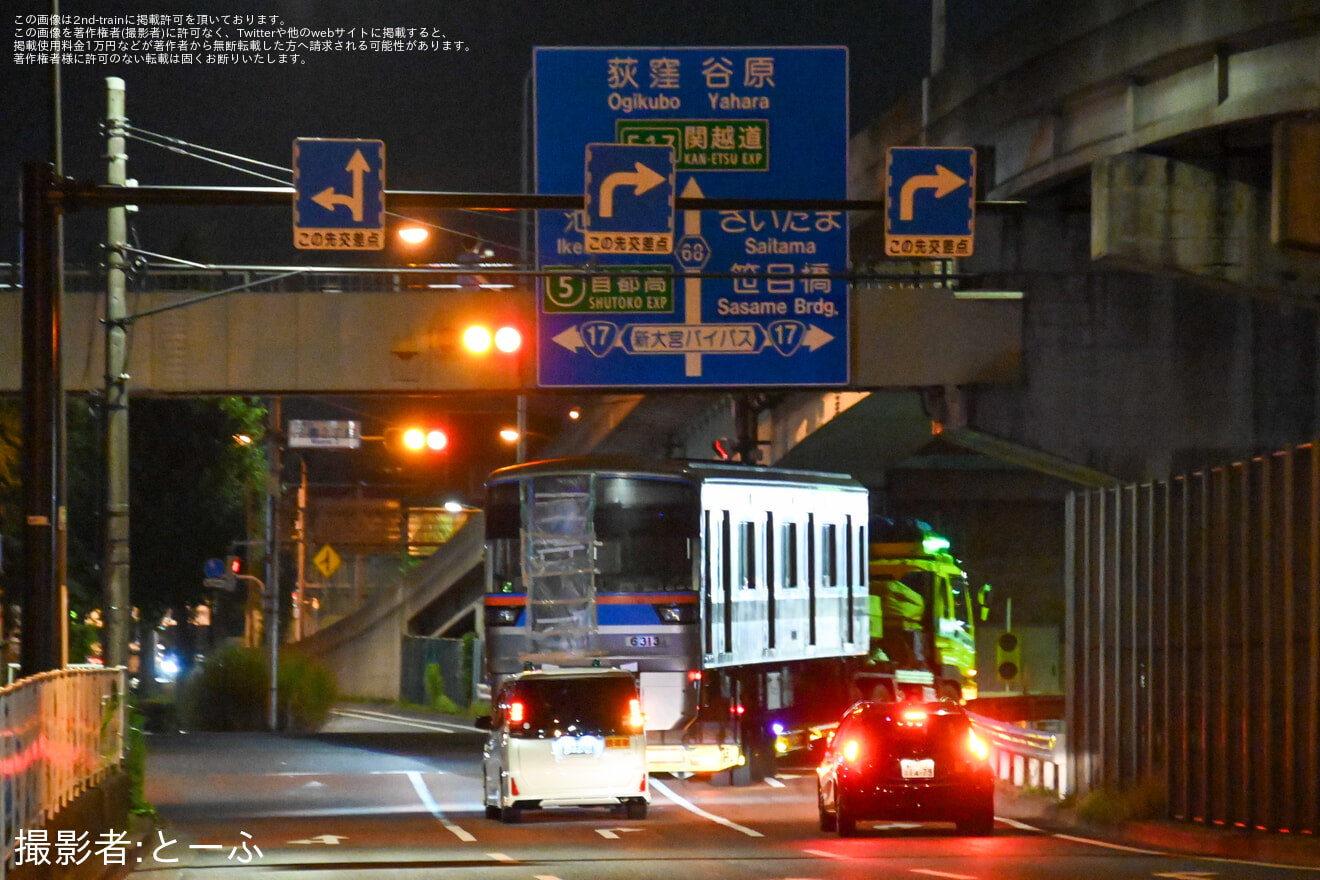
(326, 561)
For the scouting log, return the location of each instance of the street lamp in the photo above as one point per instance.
(414, 235)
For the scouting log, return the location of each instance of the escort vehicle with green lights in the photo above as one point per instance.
(923, 612)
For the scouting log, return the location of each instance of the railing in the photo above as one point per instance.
(1025, 758)
(61, 732)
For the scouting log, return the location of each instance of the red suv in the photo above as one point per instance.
(906, 761)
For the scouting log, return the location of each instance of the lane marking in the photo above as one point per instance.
(827, 855)
(368, 715)
(931, 873)
(501, 857)
(691, 807)
(419, 785)
(613, 833)
(770, 780)
(1101, 843)
(1165, 853)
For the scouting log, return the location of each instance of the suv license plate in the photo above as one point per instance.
(913, 768)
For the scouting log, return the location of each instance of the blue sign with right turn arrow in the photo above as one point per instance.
(930, 202)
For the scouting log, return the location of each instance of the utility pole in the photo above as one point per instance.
(300, 607)
(43, 423)
(115, 577)
(274, 444)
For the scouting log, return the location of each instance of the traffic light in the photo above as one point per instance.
(1008, 657)
(417, 440)
(233, 568)
(481, 338)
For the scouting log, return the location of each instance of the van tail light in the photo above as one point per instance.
(517, 712)
(977, 746)
(636, 720)
(513, 786)
(642, 787)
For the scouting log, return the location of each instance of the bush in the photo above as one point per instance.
(135, 765)
(228, 691)
(435, 692)
(1106, 806)
(231, 691)
(307, 692)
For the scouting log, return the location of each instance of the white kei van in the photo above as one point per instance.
(565, 737)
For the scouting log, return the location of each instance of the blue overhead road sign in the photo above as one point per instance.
(629, 199)
(930, 201)
(746, 297)
(339, 194)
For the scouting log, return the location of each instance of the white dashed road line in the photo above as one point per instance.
(691, 807)
(419, 785)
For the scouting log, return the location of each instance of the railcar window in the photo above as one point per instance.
(747, 555)
(646, 530)
(503, 524)
(829, 555)
(788, 556)
(503, 519)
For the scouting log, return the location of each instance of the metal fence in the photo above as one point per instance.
(1193, 629)
(61, 732)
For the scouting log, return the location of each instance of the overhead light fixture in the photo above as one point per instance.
(987, 294)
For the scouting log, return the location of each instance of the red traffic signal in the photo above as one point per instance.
(480, 338)
(417, 440)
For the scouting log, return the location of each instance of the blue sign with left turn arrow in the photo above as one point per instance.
(339, 194)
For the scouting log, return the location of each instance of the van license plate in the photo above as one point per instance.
(914, 768)
(572, 745)
(617, 742)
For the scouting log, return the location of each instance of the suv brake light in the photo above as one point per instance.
(517, 712)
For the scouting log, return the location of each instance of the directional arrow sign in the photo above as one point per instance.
(641, 180)
(329, 199)
(748, 297)
(930, 202)
(629, 199)
(339, 194)
(785, 337)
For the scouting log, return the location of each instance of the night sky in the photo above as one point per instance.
(450, 120)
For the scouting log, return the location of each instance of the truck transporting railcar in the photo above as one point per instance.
(755, 604)
(723, 586)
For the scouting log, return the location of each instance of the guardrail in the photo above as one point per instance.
(61, 732)
(1023, 757)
